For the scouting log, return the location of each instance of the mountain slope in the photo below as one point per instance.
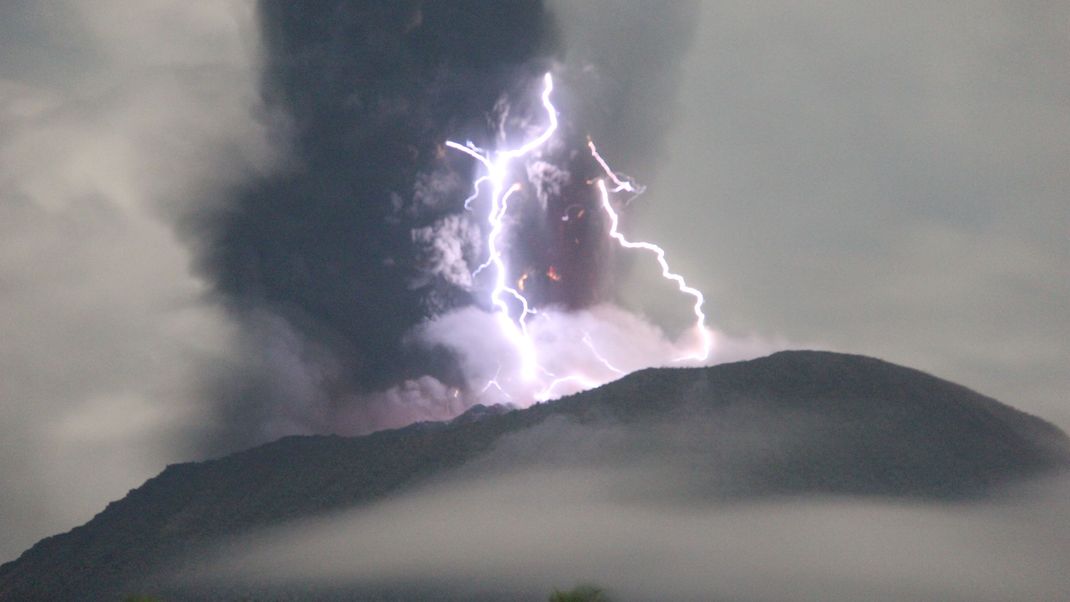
(791, 423)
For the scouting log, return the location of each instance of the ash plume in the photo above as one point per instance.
(336, 266)
(318, 262)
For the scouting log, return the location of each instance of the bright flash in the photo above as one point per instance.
(498, 169)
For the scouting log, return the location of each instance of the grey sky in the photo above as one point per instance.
(883, 178)
(114, 119)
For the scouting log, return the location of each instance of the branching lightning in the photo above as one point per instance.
(594, 350)
(497, 172)
(627, 184)
(498, 166)
(494, 383)
(666, 272)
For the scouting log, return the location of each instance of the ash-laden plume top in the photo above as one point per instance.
(789, 424)
(357, 272)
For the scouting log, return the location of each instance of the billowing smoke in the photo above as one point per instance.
(330, 262)
(596, 344)
(354, 271)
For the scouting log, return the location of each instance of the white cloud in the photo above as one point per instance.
(595, 345)
(445, 247)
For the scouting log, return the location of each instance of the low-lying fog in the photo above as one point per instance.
(638, 529)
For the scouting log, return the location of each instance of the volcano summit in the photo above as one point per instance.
(789, 426)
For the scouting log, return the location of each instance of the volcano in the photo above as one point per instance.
(796, 423)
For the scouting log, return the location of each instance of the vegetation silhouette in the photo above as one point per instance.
(580, 593)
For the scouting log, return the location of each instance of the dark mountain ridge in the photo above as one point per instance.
(855, 426)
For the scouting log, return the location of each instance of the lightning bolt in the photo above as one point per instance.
(626, 185)
(706, 339)
(494, 383)
(585, 382)
(475, 192)
(497, 167)
(598, 356)
(497, 172)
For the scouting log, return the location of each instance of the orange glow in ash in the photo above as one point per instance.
(553, 275)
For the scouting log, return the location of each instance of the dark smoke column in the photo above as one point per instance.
(370, 90)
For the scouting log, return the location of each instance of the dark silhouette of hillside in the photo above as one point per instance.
(827, 424)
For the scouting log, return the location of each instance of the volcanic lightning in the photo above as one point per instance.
(497, 167)
(705, 337)
(497, 171)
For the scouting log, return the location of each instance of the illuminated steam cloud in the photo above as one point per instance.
(547, 351)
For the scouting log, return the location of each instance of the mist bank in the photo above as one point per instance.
(521, 535)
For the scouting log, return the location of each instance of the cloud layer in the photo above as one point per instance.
(504, 527)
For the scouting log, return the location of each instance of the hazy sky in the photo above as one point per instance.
(887, 179)
(881, 178)
(115, 117)
(884, 178)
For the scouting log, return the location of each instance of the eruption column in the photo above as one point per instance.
(497, 172)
